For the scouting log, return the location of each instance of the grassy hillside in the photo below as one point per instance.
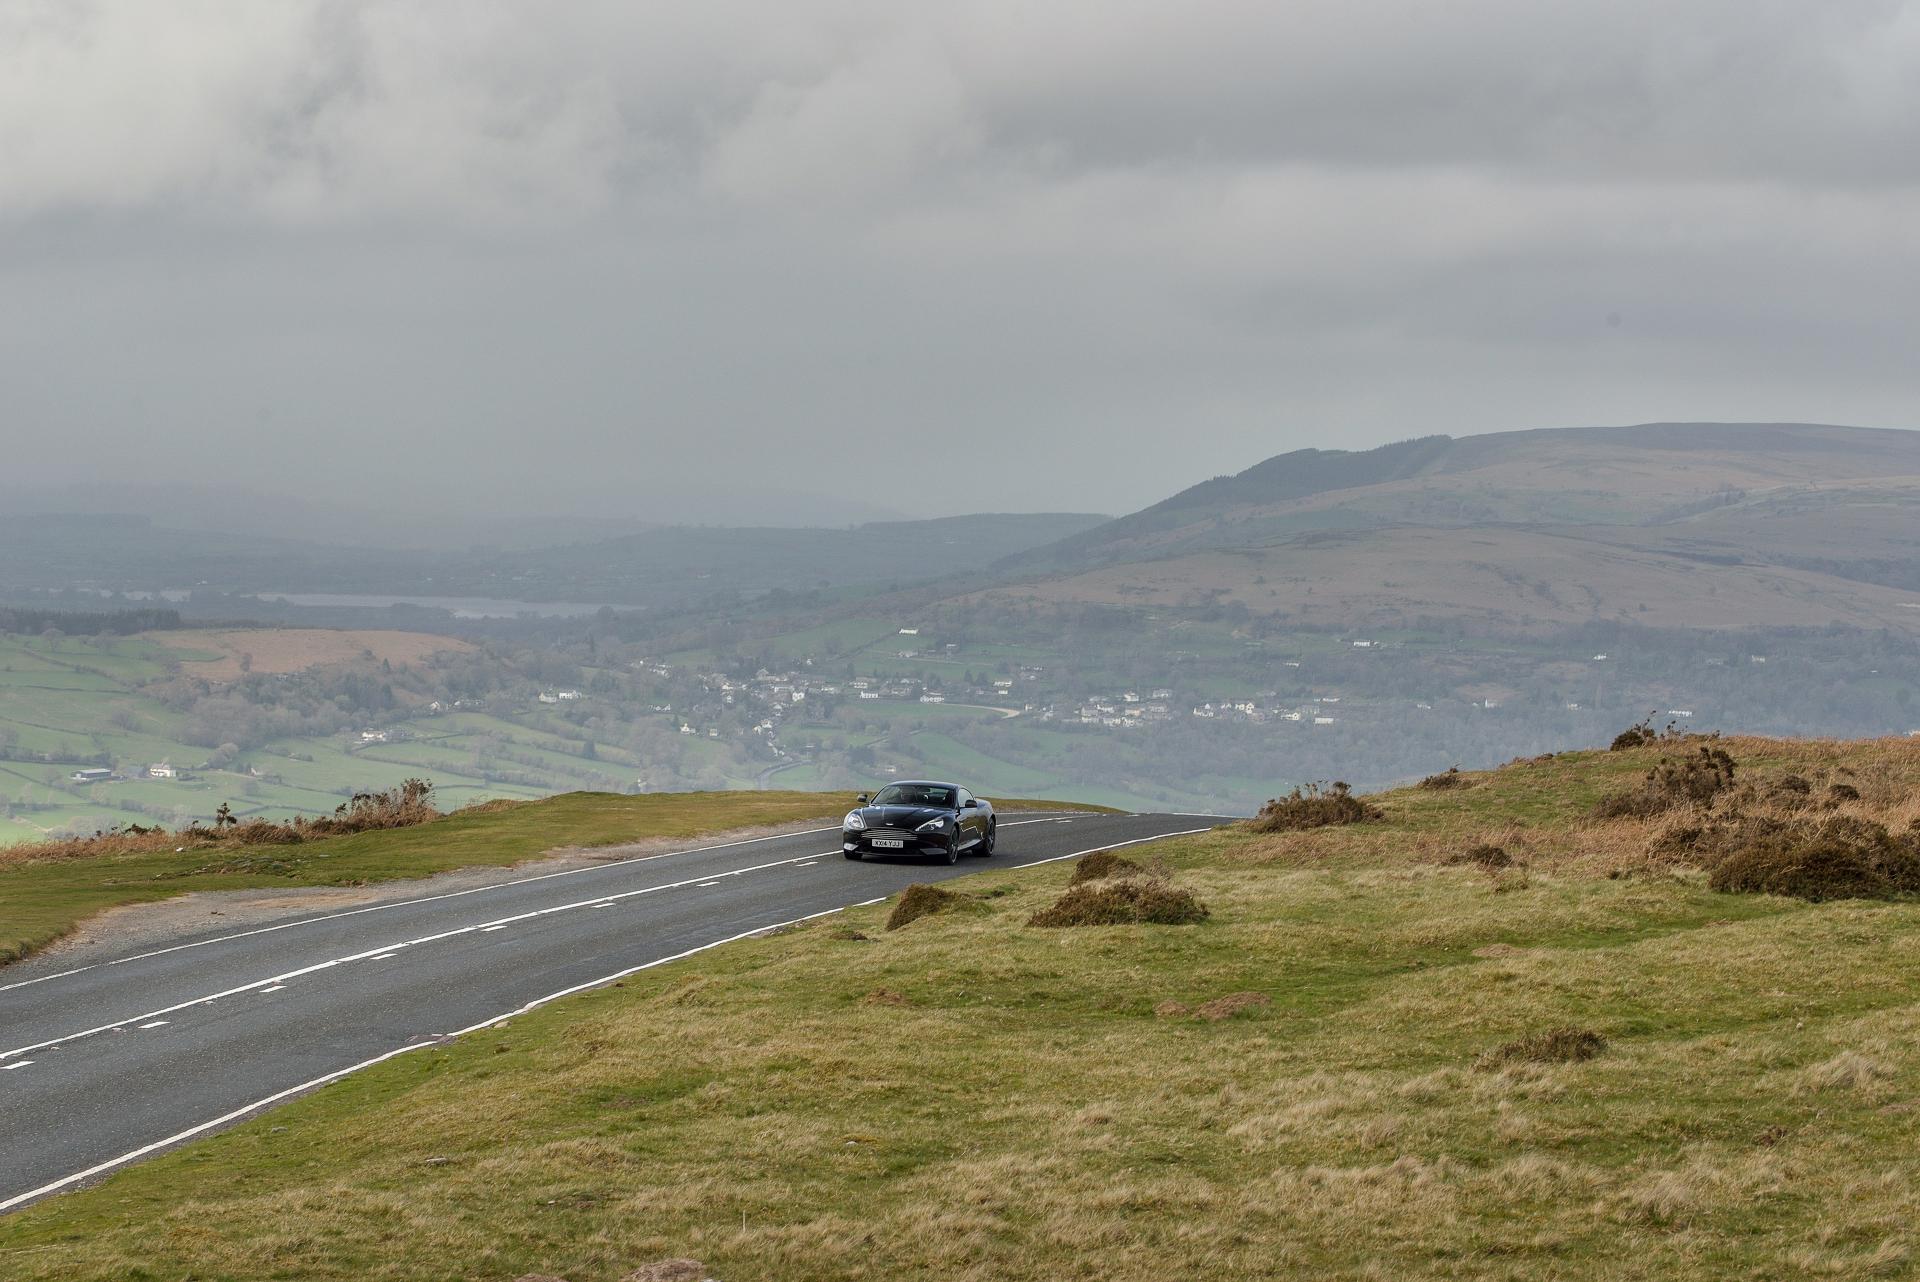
(1582, 1064)
(1696, 525)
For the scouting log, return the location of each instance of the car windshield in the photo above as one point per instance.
(914, 794)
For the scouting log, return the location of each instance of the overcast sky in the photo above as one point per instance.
(670, 259)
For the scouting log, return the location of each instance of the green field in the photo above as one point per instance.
(73, 702)
(972, 1096)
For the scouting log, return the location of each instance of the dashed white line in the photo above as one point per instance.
(382, 956)
(276, 988)
(156, 1023)
(8, 1068)
(703, 885)
(393, 945)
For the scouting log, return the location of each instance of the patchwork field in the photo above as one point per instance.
(1384, 1052)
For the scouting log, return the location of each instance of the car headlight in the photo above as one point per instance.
(932, 825)
(854, 822)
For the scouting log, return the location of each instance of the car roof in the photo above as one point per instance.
(920, 783)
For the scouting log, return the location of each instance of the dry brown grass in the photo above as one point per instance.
(283, 650)
(400, 807)
(1313, 807)
(1564, 1045)
(1124, 902)
(1448, 778)
(1102, 864)
(921, 900)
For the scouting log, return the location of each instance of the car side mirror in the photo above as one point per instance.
(972, 803)
(862, 801)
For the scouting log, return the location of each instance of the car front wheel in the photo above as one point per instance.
(953, 849)
(986, 843)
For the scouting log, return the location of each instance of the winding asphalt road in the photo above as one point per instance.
(106, 1063)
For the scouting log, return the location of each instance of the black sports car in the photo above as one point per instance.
(941, 820)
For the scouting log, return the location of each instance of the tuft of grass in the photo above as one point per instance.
(1313, 806)
(1565, 1045)
(1448, 778)
(1124, 902)
(1100, 865)
(1484, 855)
(922, 900)
(1838, 858)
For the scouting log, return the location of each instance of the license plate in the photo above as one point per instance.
(887, 843)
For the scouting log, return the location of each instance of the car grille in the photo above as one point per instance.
(889, 834)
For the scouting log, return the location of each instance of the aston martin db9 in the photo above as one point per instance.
(941, 821)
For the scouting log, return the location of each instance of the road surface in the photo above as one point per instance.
(106, 1063)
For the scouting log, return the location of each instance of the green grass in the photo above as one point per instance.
(1019, 1110)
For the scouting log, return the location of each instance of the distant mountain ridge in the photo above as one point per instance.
(1813, 503)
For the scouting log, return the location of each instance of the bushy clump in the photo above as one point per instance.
(1566, 1045)
(1692, 780)
(1100, 865)
(1448, 778)
(1123, 902)
(1839, 794)
(1838, 858)
(921, 900)
(399, 807)
(1483, 856)
(1313, 806)
(1641, 734)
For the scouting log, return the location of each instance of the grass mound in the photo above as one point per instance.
(921, 900)
(1230, 1005)
(1313, 807)
(1448, 778)
(1676, 782)
(1124, 902)
(1565, 1045)
(1482, 856)
(1100, 865)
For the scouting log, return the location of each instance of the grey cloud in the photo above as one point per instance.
(595, 253)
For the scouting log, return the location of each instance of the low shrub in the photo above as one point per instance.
(1313, 806)
(1100, 865)
(1693, 780)
(920, 900)
(1448, 778)
(400, 807)
(1838, 858)
(1484, 856)
(1123, 902)
(1565, 1045)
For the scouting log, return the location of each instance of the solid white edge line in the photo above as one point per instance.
(44, 978)
(239, 1113)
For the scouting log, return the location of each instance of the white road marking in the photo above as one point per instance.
(452, 894)
(428, 899)
(245, 1110)
(44, 978)
(8, 1068)
(391, 946)
(382, 956)
(705, 884)
(156, 1023)
(238, 1113)
(275, 989)
(599, 905)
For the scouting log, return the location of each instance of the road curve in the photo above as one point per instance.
(104, 1064)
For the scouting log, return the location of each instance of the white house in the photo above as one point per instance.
(909, 632)
(869, 694)
(373, 736)
(933, 698)
(162, 770)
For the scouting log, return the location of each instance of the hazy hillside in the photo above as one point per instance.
(654, 568)
(1667, 525)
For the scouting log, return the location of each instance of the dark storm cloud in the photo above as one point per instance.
(682, 259)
